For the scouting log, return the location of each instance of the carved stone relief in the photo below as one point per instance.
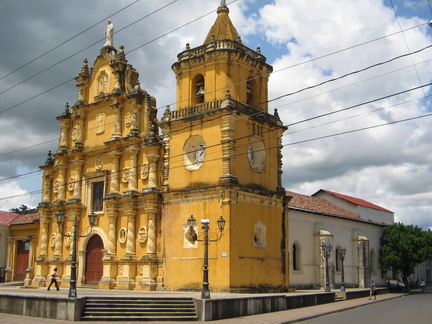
(99, 162)
(142, 234)
(100, 123)
(144, 171)
(122, 235)
(71, 183)
(260, 235)
(56, 185)
(52, 239)
(125, 175)
(128, 120)
(102, 85)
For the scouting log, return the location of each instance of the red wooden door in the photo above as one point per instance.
(22, 261)
(94, 264)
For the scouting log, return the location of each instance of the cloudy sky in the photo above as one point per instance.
(350, 80)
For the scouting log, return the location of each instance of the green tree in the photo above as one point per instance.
(24, 210)
(403, 247)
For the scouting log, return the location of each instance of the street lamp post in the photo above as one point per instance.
(341, 252)
(60, 218)
(192, 236)
(326, 251)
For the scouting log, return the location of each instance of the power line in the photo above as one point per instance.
(413, 64)
(316, 117)
(270, 148)
(66, 41)
(288, 67)
(298, 91)
(82, 50)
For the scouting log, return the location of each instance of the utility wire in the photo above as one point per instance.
(66, 41)
(288, 67)
(292, 93)
(412, 60)
(289, 144)
(82, 50)
(316, 117)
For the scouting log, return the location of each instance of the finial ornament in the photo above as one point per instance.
(223, 5)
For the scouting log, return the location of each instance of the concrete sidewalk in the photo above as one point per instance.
(286, 316)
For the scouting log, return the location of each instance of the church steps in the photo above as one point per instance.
(139, 309)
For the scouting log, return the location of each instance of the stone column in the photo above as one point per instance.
(117, 120)
(228, 145)
(44, 223)
(112, 213)
(130, 238)
(11, 248)
(78, 180)
(114, 179)
(133, 169)
(363, 262)
(46, 187)
(151, 210)
(29, 270)
(152, 157)
(135, 121)
(64, 134)
(62, 183)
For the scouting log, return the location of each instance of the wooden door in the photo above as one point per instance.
(22, 260)
(94, 264)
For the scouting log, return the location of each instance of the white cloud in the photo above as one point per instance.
(20, 197)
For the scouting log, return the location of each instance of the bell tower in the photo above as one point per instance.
(223, 158)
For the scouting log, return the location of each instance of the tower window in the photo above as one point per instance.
(198, 89)
(251, 92)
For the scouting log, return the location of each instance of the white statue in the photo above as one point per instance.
(109, 32)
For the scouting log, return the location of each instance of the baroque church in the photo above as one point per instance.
(155, 184)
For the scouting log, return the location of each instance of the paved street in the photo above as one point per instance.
(411, 309)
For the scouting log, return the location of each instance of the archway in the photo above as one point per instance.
(94, 264)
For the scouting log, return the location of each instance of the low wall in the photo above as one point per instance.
(364, 293)
(46, 307)
(216, 309)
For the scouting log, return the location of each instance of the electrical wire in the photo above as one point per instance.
(67, 40)
(80, 51)
(412, 60)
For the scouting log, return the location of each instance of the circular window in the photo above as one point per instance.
(194, 152)
(256, 154)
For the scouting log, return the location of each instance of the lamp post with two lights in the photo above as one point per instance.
(193, 236)
(59, 219)
(326, 248)
(341, 252)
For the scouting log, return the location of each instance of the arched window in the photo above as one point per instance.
(296, 260)
(338, 260)
(373, 262)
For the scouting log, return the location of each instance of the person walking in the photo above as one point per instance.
(54, 280)
(372, 290)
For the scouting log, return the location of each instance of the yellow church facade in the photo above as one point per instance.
(217, 154)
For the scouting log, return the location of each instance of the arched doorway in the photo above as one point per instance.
(94, 264)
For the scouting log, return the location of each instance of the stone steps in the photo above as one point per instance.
(139, 309)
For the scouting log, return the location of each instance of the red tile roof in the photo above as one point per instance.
(7, 217)
(355, 201)
(318, 205)
(26, 219)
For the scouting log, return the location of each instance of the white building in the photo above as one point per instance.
(342, 222)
